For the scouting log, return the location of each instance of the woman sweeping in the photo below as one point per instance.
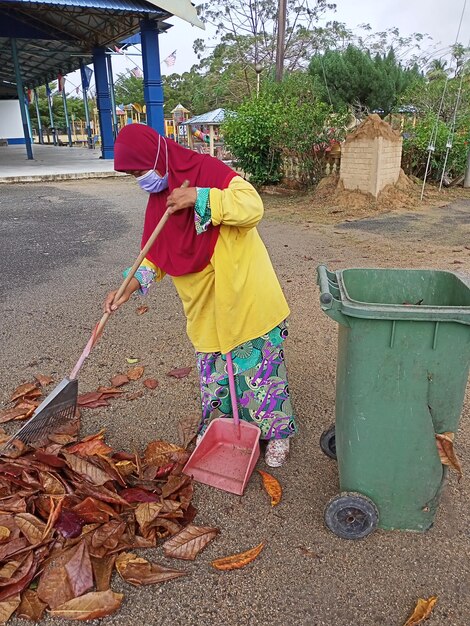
(232, 299)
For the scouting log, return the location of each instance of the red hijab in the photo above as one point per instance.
(179, 249)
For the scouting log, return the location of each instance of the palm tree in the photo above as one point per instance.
(437, 69)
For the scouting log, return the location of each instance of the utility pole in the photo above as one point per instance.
(466, 182)
(281, 36)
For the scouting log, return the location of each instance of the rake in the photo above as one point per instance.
(60, 405)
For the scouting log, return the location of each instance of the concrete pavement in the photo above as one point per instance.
(52, 163)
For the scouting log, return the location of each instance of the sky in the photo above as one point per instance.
(438, 18)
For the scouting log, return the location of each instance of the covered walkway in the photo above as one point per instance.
(52, 163)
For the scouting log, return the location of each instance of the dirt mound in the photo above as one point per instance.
(330, 191)
(371, 128)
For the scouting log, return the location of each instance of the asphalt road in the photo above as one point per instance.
(62, 247)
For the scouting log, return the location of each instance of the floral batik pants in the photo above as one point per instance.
(260, 383)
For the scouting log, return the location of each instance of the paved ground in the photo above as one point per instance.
(51, 163)
(62, 246)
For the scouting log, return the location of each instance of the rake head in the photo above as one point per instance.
(54, 411)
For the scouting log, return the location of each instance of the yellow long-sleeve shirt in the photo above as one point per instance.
(237, 297)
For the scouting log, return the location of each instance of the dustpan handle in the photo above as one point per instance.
(233, 393)
(101, 324)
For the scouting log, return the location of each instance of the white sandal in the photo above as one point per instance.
(277, 451)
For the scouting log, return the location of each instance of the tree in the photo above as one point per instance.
(250, 28)
(75, 108)
(353, 77)
(129, 89)
(437, 69)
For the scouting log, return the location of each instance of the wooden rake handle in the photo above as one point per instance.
(101, 324)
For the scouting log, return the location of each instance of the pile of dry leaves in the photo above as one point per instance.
(72, 512)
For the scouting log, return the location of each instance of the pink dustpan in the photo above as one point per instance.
(227, 454)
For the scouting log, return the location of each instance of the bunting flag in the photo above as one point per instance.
(135, 71)
(48, 90)
(170, 59)
(86, 74)
(60, 82)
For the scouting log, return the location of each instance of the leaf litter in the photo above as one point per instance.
(74, 511)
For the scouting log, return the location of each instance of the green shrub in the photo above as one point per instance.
(284, 122)
(416, 141)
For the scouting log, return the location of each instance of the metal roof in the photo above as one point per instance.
(54, 35)
(216, 116)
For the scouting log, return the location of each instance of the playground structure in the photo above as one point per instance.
(204, 133)
(200, 133)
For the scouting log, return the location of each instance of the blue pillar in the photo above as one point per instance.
(38, 115)
(51, 114)
(85, 75)
(21, 98)
(28, 117)
(153, 90)
(104, 103)
(66, 115)
(111, 93)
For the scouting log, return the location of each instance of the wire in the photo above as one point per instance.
(451, 134)
(432, 141)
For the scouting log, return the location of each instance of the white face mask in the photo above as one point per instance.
(151, 182)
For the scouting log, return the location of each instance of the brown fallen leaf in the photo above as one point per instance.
(31, 606)
(140, 310)
(119, 380)
(237, 561)
(134, 396)
(138, 571)
(109, 392)
(93, 605)
(90, 446)
(445, 447)
(146, 514)
(272, 487)
(158, 453)
(189, 542)
(151, 383)
(8, 607)
(180, 372)
(93, 511)
(187, 428)
(65, 574)
(102, 571)
(135, 373)
(24, 390)
(422, 611)
(79, 465)
(31, 527)
(92, 400)
(4, 533)
(106, 537)
(43, 381)
(15, 413)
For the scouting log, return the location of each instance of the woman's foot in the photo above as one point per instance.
(277, 451)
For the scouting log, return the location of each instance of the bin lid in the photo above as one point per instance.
(401, 294)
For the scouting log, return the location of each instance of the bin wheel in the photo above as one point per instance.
(328, 442)
(351, 516)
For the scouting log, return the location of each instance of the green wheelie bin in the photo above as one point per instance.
(402, 369)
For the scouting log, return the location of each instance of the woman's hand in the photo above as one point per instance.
(109, 306)
(180, 199)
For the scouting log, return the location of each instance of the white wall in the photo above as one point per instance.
(11, 126)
